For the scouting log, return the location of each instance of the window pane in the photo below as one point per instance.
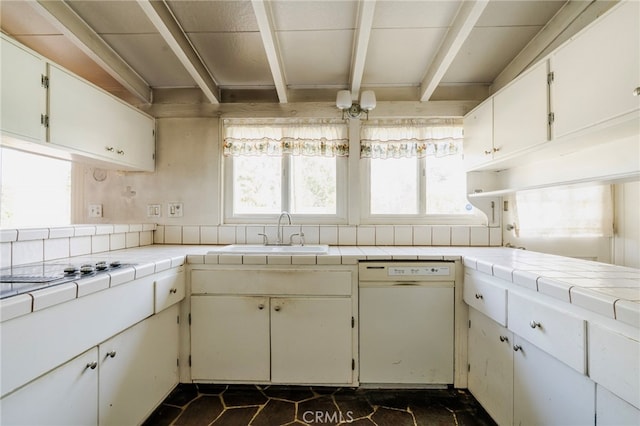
(313, 185)
(257, 184)
(446, 189)
(585, 211)
(36, 190)
(394, 186)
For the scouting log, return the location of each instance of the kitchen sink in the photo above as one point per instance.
(310, 249)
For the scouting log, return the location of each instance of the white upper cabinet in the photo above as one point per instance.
(68, 117)
(23, 93)
(596, 74)
(478, 135)
(91, 122)
(520, 113)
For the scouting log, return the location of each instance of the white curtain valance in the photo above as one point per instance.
(312, 138)
(411, 138)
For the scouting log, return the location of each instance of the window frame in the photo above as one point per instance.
(421, 218)
(340, 217)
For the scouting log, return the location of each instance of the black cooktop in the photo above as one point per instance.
(26, 278)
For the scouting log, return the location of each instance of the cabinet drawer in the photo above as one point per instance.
(272, 282)
(169, 290)
(486, 297)
(555, 332)
(613, 362)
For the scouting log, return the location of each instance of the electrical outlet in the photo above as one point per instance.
(95, 210)
(174, 210)
(154, 210)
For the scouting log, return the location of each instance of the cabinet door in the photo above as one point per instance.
(92, 122)
(520, 113)
(138, 368)
(478, 135)
(491, 366)
(23, 95)
(230, 338)
(614, 411)
(67, 395)
(596, 73)
(311, 340)
(547, 391)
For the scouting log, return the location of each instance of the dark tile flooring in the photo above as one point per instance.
(239, 405)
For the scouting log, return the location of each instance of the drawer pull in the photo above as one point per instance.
(517, 348)
(487, 152)
(277, 308)
(261, 306)
(504, 339)
(535, 324)
(173, 290)
(111, 354)
(479, 296)
(92, 365)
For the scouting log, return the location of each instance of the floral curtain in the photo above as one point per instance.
(411, 138)
(311, 138)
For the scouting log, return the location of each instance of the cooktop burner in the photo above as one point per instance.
(26, 278)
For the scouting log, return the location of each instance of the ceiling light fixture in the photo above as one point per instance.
(346, 105)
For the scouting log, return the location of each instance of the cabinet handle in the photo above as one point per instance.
(517, 348)
(277, 308)
(479, 296)
(111, 354)
(173, 290)
(636, 91)
(535, 324)
(261, 306)
(109, 148)
(497, 149)
(504, 339)
(120, 152)
(92, 365)
(487, 152)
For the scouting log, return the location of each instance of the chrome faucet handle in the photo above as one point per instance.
(291, 238)
(265, 239)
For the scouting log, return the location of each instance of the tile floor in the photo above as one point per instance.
(239, 405)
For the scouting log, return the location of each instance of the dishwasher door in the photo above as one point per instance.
(406, 323)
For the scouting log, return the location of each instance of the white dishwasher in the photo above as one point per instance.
(406, 323)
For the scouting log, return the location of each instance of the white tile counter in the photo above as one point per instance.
(613, 291)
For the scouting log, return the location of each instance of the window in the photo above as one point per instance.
(414, 170)
(580, 211)
(36, 190)
(295, 167)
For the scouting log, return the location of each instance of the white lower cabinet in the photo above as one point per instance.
(518, 383)
(490, 378)
(230, 338)
(137, 369)
(68, 395)
(614, 411)
(271, 339)
(277, 325)
(547, 391)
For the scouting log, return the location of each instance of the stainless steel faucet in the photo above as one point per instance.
(283, 214)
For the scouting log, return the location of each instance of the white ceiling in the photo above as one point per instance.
(255, 50)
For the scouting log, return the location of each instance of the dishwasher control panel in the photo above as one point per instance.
(407, 271)
(418, 271)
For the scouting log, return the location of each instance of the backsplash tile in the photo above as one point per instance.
(27, 252)
(79, 246)
(366, 236)
(383, 235)
(403, 235)
(56, 248)
(209, 234)
(347, 235)
(441, 235)
(328, 235)
(422, 235)
(190, 235)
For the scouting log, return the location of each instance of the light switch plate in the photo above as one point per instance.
(154, 210)
(174, 210)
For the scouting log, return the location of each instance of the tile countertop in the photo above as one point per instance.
(609, 290)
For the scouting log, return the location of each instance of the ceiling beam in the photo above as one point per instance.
(572, 17)
(67, 21)
(265, 24)
(361, 44)
(460, 28)
(165, 22)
